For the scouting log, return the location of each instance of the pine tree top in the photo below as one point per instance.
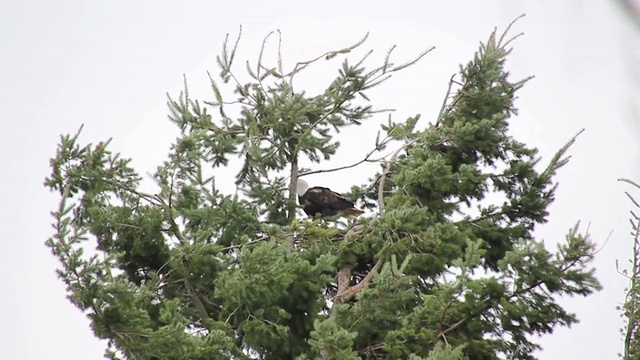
(444, 266)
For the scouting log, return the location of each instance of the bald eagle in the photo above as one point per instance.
(321, 200)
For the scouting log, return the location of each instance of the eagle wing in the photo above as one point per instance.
(327, 201)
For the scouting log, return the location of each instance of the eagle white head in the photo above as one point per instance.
(302, 187)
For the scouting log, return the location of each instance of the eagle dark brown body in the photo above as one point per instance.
(321, 200)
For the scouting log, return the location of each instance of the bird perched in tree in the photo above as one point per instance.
(324, 201)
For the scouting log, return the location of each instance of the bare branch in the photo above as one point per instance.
(355, 230)
(365, 159)
(280, 70)
(444, 101)
(605, 242)
(202, 311)
(344, 276)
(629, 182)
(329, 54)
(386, 59)
(446, 109)
(230, 315)
(632, 199)
(264, 238)
(500, 45)
(346, 293)
(415, 60)
(453, 327)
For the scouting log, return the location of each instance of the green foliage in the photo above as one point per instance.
(441, 270)
(444, 352)
(629, 309)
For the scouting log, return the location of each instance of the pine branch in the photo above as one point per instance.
(325, 116)
(259, 66)
(328, 55)
(489, 304)
(202, 311)
(504, 33)
(367, 158)
(632, 297)
(558, 160)
(195, 298)
(346, 292)
(387, 172)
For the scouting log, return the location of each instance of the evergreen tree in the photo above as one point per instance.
(437, 271)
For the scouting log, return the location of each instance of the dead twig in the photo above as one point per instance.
(444, 101)
(230, 315)
(231, 247)
(346, 292)
(452, 327)
(365, 159)
(280, 71)
(329, 54)
(355, 230)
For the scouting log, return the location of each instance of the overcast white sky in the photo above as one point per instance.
(109, 65)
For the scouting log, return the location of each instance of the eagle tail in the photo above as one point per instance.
(352, 212)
